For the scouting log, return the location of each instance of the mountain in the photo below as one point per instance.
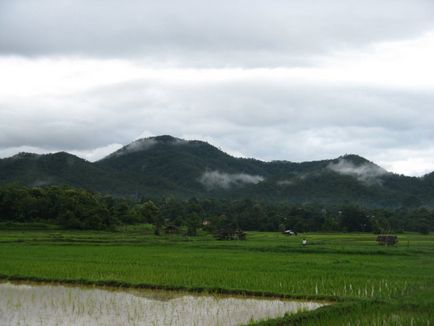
(168, 166)
(59, 168)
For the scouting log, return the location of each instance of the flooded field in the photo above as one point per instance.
(31, 304)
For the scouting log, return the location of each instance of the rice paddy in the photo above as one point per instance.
(33, 304)
(369, 284)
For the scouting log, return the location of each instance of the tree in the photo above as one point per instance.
(193, 221)
(150, 213)
(354, 219)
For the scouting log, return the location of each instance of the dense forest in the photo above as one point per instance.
(74, 208)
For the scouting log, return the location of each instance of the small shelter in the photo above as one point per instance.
(171, 229)
(230, 234)
(387, 240)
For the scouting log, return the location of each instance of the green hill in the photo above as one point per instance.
(168, 166)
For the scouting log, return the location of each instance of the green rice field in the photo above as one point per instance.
(368, 284)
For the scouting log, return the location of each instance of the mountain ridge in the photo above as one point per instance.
(169, 166)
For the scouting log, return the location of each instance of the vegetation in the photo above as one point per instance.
(149, 234)
(164, 166)
(74, 208)
(369, 284)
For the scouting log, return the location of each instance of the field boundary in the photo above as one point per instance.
(201, 290)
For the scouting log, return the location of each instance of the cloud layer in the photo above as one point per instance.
(263, 117)
(290, 80)
(206, 33)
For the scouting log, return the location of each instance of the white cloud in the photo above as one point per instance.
(97, 153)
(404, 63)
(136, 146)
(416, 161)
(217, 179)
(367, 173)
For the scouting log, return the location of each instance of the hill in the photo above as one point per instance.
(167, 166)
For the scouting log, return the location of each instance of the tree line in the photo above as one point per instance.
(74, 208)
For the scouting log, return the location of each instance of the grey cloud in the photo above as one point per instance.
(206, 33)
(266, 117)
(262, 119)
(367, 173)
(217, 179)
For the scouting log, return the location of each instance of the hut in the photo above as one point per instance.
(230, 234)
(171, 229)
(387, 240)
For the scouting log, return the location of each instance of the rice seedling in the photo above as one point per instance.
(370, 284)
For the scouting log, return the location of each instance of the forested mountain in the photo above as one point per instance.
(166, 166)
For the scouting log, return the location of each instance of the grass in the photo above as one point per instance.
(372, 285)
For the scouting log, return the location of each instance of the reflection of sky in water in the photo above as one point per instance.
(59, 305)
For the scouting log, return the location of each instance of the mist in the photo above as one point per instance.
(366, 173)
(217, 179)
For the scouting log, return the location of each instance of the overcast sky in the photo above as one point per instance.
(271, 79)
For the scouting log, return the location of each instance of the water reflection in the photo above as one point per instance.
(28, 304)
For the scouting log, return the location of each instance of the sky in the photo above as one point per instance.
(296, 80)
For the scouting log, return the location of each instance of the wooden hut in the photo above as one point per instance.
(171, 229)
(387, 240)
(230, 234)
